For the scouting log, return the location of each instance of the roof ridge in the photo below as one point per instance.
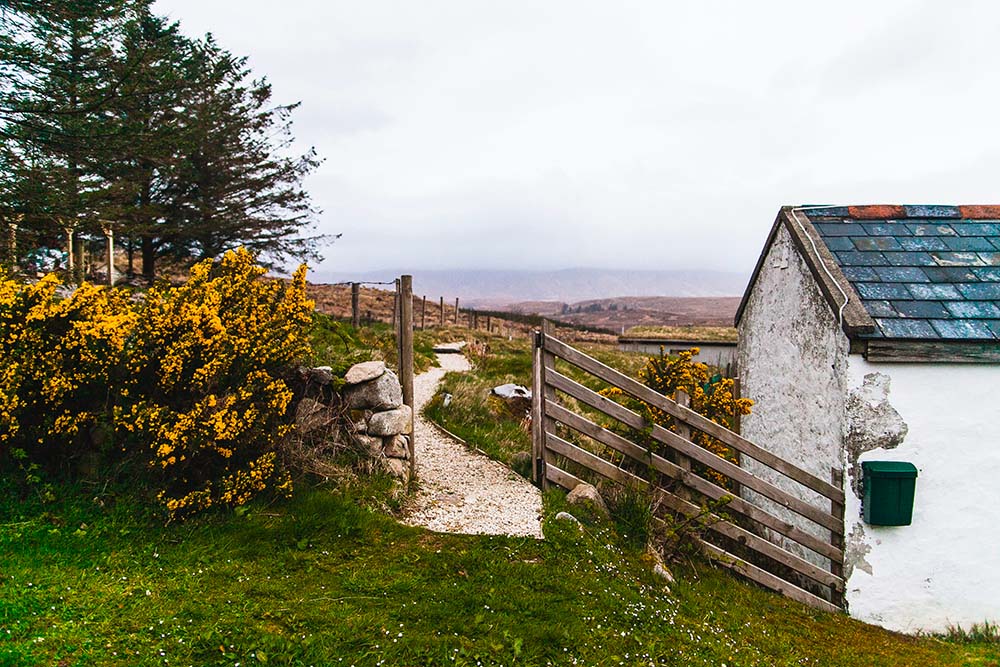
(904, 211)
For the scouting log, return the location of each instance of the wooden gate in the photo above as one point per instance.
(748, 535)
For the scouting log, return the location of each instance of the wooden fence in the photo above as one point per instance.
(742, 536)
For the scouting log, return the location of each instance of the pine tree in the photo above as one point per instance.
(235, 184)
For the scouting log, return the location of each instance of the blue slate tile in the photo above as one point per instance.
(972, 310)
(980, 291)
(951, 274)
(989, 274)
(901, 274)
(906, 328)
(861, 259)
(836, 228)
(943, 258)
(932, 211)
(886, 229)
(994, 326)
(968, 243)
(880, 308)
(976, 228)
(909, 258)
(882, 291)
(931, 229)
(860, 273)
(962, 329)
(920, 309)
(821, 211)
(996, 243)
(934, 291)
(991, 258)
(839, 243)
(876, 243)
(923, 242)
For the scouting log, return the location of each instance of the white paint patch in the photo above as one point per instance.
(941, 570)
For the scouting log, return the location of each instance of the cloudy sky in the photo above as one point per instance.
(557, 134)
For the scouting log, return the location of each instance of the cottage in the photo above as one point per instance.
(871, 334)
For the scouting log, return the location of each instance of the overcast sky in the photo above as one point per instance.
(537, 134)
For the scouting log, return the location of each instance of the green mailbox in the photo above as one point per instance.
(889, 487)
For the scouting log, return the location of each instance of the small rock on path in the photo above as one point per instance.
(462, 491)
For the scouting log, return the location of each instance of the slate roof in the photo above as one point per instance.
(922, 272)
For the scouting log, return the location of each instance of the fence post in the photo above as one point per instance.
(406, 354)
(423, 313)
(441, 314)
(548, 394)
(537, 412)
(356, 305)
(456, 311)
(395, 309)
(684, 431)
(837, 510)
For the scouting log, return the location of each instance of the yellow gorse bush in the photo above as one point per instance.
(188, 378)
(711, 396)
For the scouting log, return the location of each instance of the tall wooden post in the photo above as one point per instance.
(456, 311)
(356, 305)
(109, 234)
(684, 431)
(548, 394)
(489, 324)
(837, 510)
(395, 309)
(406, 354)
(537, 412)
(423, 313)
(441, 314)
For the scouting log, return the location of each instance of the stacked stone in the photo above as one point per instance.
(375, 398)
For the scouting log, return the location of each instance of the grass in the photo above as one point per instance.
(683, 333)
(328, 579)
(831, 639)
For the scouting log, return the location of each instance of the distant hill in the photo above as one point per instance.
(498, 289)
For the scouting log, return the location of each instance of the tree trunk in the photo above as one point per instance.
(148, 259)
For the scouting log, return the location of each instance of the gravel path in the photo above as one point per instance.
(462, 491)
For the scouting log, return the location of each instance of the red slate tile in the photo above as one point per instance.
(980, 212)
(877, 212)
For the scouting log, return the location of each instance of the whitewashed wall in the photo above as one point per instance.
(944, 568)
(792, 359)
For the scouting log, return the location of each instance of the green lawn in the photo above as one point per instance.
(326, 579)
(331, 578)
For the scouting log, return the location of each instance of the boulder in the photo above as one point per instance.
(365, 371)
(515, 397)
(381, 393)
(391, 422)
(398, 468)
(587, 496)
(370, 444)
(396, 447)
(566, 516)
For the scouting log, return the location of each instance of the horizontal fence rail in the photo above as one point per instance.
(743, 525)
